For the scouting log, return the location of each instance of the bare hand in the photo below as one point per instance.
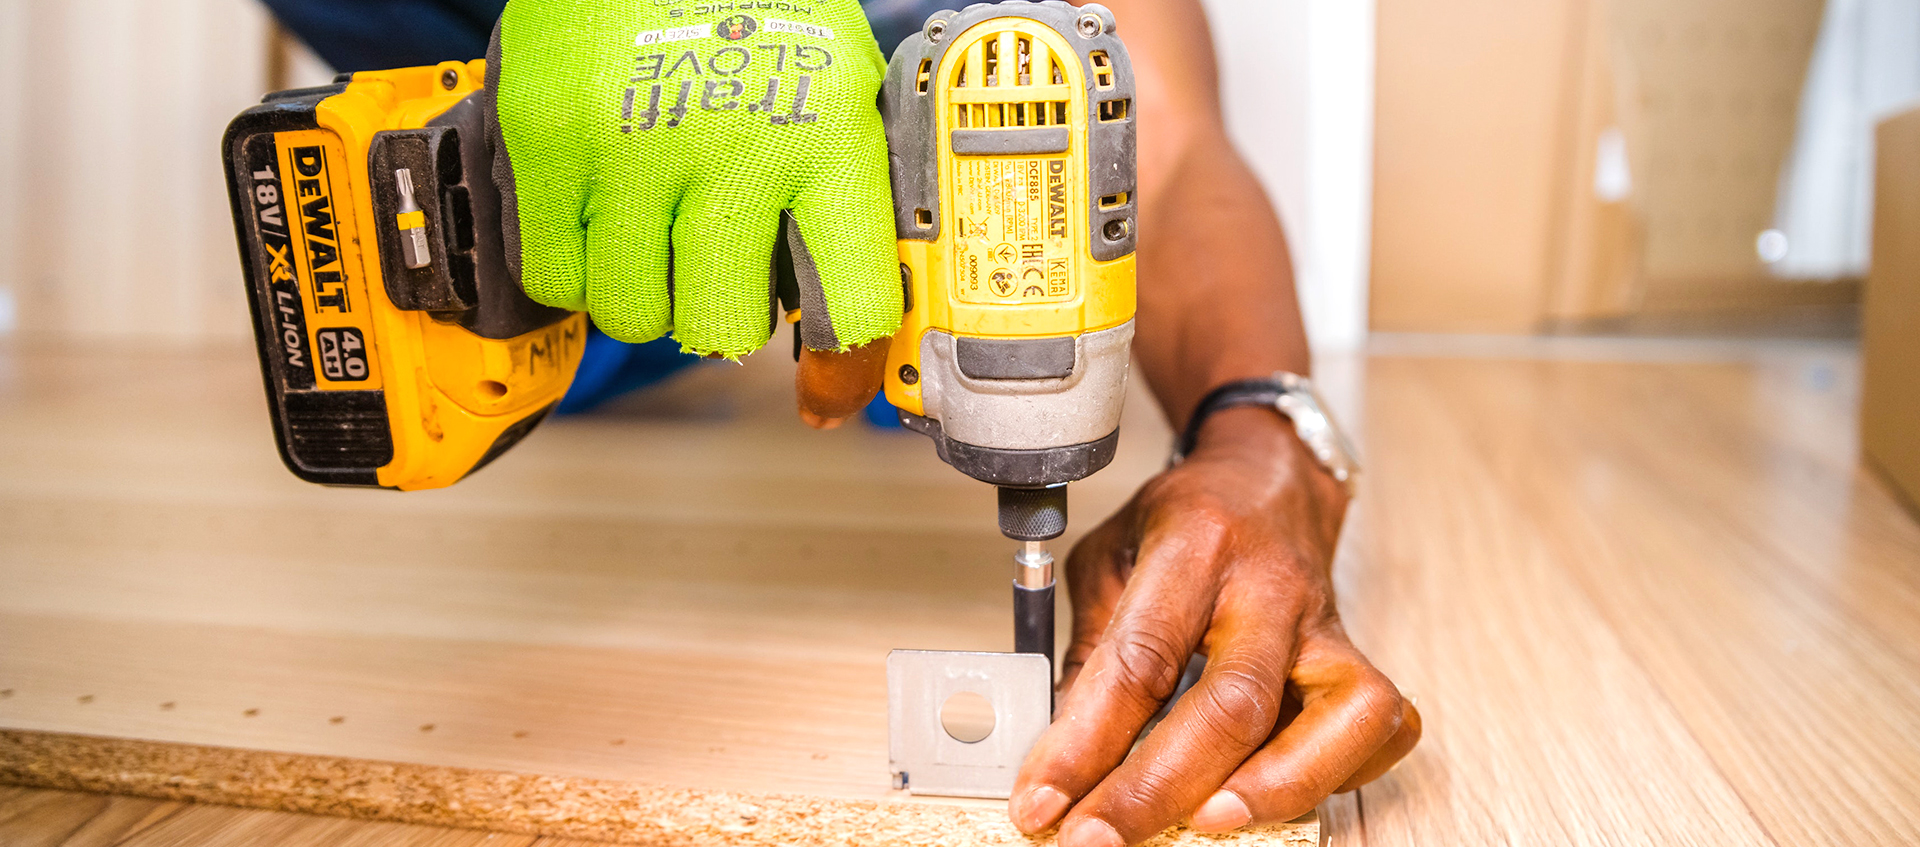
(832, 387)
(1226, 555)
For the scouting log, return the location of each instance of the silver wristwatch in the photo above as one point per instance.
(1291, 395)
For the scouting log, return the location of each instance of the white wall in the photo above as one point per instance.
(1865, 68)
(1297, 77)
(113, 210)
(13, 65)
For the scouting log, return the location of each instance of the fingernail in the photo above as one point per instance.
(819, 422)
(1090, 832)
(1039, 808)
(1223, 811)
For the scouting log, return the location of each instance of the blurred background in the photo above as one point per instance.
(1480, 166)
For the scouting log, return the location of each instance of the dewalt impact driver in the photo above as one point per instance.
(1012, 137)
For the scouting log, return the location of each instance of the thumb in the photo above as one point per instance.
(832, 387)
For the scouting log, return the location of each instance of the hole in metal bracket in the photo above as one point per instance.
(967, 717)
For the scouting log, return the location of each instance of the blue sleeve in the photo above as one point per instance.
(367, 35)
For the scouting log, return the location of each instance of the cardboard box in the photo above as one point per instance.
(1890, 332)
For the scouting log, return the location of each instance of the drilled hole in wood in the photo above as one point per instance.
(252, 713)
(819, 757)
(85, 699)
(426, 727)
(617, 742)
(167, 706)
(337, 719)
(519, 733)
(5, 693)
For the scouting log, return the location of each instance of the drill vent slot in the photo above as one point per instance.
(1009, 115)
(999, 65)
(1102, 69)
(924, 80)
(987, 57)
(1115, 110)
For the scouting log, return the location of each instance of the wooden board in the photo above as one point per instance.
(532, 804)
(1890, 414)
(1643, 593)
(695, 593)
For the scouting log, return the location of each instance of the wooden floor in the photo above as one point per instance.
(1642, 592)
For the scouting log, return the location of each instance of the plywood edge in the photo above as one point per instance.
(593, 809)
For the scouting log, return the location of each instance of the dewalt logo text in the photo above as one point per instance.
(318, 230)
(1057, 198)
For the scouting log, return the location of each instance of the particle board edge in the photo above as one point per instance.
(590, 809)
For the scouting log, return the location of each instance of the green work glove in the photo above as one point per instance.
(651, 154)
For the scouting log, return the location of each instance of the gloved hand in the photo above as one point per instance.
(650, 155)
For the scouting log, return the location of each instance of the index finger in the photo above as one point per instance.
(832, 387)
(1349, 713)
(1156, 626)
(1226, 716)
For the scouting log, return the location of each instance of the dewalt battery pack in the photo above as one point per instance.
(396, 348)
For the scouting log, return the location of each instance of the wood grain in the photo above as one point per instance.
(1642, 591)
(697, 594)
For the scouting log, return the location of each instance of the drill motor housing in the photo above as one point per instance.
(1012, 137)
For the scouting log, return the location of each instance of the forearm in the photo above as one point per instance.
(1216, 285)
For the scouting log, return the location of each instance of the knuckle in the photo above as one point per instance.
(1376, 704)
(1239, 705)
(1282, 795)
(1147, 663)
(1155, 784)
(1209, 508)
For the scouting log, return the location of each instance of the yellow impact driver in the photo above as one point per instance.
(397, 350)
(1012, 135)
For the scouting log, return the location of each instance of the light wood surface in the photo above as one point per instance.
(694, 592)
(1642, 591)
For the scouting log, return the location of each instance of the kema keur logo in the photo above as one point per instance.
(736, 28)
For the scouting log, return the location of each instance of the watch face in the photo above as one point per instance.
(1316, 428)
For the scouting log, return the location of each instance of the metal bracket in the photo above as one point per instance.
(925, 759)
